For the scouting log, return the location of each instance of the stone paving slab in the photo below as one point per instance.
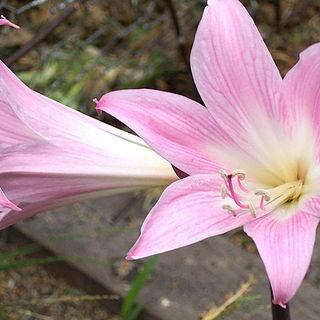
(185, 282)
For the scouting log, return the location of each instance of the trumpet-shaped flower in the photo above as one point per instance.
(51, 155)
(252, 155)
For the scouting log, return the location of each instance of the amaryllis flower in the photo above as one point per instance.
(252, 155)
(51, 155)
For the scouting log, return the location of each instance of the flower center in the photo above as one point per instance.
(258, 200)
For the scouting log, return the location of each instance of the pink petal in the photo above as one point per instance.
(5, 203)
(12, 129)
(188, 211)
(233, 69)
(300, 98)
(41, 177)
(48, 119)
(179, 129)
(52, 155)
(285, 247)
(30, 117)
(5, 21)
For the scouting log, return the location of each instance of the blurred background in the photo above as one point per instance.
(77, 50)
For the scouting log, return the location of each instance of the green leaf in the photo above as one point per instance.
(20, 252)
(136, 287)
(135, 313)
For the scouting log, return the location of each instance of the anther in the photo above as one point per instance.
(223, 174)
(241, 186)
(264, 193)
(240, 173)
(229, 208)
(223, 191)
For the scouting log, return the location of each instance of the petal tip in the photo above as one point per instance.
(10, 205)
(133, 254)
(5, 21)
(98, 108)
(130, 257)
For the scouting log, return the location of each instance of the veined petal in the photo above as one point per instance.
(179, 129)
(35, 115)
(12, 129)
(42, 176)
(300, 97)
(51, 155)
(29, 117)
(285, 247)
(234, 71)
(188, 211)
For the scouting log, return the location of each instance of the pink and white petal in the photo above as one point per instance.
(42, 176)
(49, 119)
(285, 246)
(300, 96)
(234, 71)
(188, 211)
(179, 129)
(4, 21)
(312, 206)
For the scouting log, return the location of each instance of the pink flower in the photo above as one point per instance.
(51, 155)
(252, 155)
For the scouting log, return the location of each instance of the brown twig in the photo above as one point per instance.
(295, 12)
(215, 312)
(180, 36)
(278, 14)
(182, 44)
(45, 33)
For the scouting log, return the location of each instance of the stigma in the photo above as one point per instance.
(256, 202)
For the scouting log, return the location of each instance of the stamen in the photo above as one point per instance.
(252, 210)
(224, 175)
(261, 203)
(224, 191)
(264, 193)
(241, 186)
(240, 173)
(251, 202)
(235, 196)
(229, 208)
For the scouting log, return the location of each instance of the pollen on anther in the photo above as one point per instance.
(223, 191)
(264, 193)
(240, 173)
(229, 208)
(223, 174)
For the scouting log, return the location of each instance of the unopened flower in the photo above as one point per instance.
(252, 155)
